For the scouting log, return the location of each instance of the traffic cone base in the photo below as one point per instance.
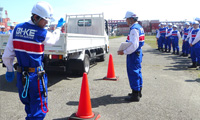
(112, 79)
(74, 117)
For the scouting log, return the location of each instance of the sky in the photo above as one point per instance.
(163, 10)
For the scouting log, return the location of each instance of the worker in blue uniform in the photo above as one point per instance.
(192, 43)
(157, 30)
(185, 46)
(2, 30)
(196, 44)
(168, 39)
(134, 56)
(161, 36)
(11, 28)
(175, 35)
(27, 43)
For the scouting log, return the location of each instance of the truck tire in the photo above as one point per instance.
(86, 64)
(102, 58)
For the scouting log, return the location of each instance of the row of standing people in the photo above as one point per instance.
(4, 31)
(169, 36)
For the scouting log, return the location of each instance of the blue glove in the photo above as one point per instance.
(60, 22)
(10, 76)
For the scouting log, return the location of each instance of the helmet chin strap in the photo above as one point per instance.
(36, 22)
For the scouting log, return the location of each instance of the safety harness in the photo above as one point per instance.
(25, 81)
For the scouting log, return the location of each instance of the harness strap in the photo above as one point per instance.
(45, 104)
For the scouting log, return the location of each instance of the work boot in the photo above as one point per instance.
(168, 51)
(182, 54)
(140, 94)
(135, 97)
(185, 55)
(165, 50)
(173, 52)
(194, 65)
(177, 53)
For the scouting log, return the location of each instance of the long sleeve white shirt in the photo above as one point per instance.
(178, 34)
(134, 39)
(9, 53)
(197, 38)
(158, 34)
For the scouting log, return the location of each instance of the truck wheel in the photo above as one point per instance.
(102, 58)
(86, 64)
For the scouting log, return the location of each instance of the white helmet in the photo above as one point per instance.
(187, 23)
(130, 14)
(195, 23)
(175, 26)
(2, 26)
(170, 24)
(12, 24)
(44, 10)
(197, 19)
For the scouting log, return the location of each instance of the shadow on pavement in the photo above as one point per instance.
(61, 118)
(102, 101)
(53, 78)
(197, 80)
(180, 63)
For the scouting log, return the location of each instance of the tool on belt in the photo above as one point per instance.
(25, 81)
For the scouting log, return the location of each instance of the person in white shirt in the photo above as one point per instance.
(175, 35)
(193, 41)
(134, 56)
(26, 42)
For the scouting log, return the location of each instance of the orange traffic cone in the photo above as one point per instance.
(111, 71)
(84, 108)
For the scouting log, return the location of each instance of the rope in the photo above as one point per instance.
(45, 104)
(25, 87)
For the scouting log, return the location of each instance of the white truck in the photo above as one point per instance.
(84, 41)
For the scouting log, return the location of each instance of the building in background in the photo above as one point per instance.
(5, 21)
(120, 27)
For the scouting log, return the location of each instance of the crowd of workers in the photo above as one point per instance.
(4, 31)
(168, 36)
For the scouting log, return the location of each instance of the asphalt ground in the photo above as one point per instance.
(170, 90)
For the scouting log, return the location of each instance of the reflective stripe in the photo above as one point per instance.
(193, 36)
(28, 46)
(141, 38)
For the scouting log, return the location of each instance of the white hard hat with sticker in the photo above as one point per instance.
(44, 10)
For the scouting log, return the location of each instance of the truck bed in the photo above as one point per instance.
(70, 43)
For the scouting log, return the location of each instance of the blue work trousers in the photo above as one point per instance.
(185, 47)
(134, 61)
(197, 52)
(168, 43)
(162, 41)
(175, 45)
(193, 54)
(32, 102)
